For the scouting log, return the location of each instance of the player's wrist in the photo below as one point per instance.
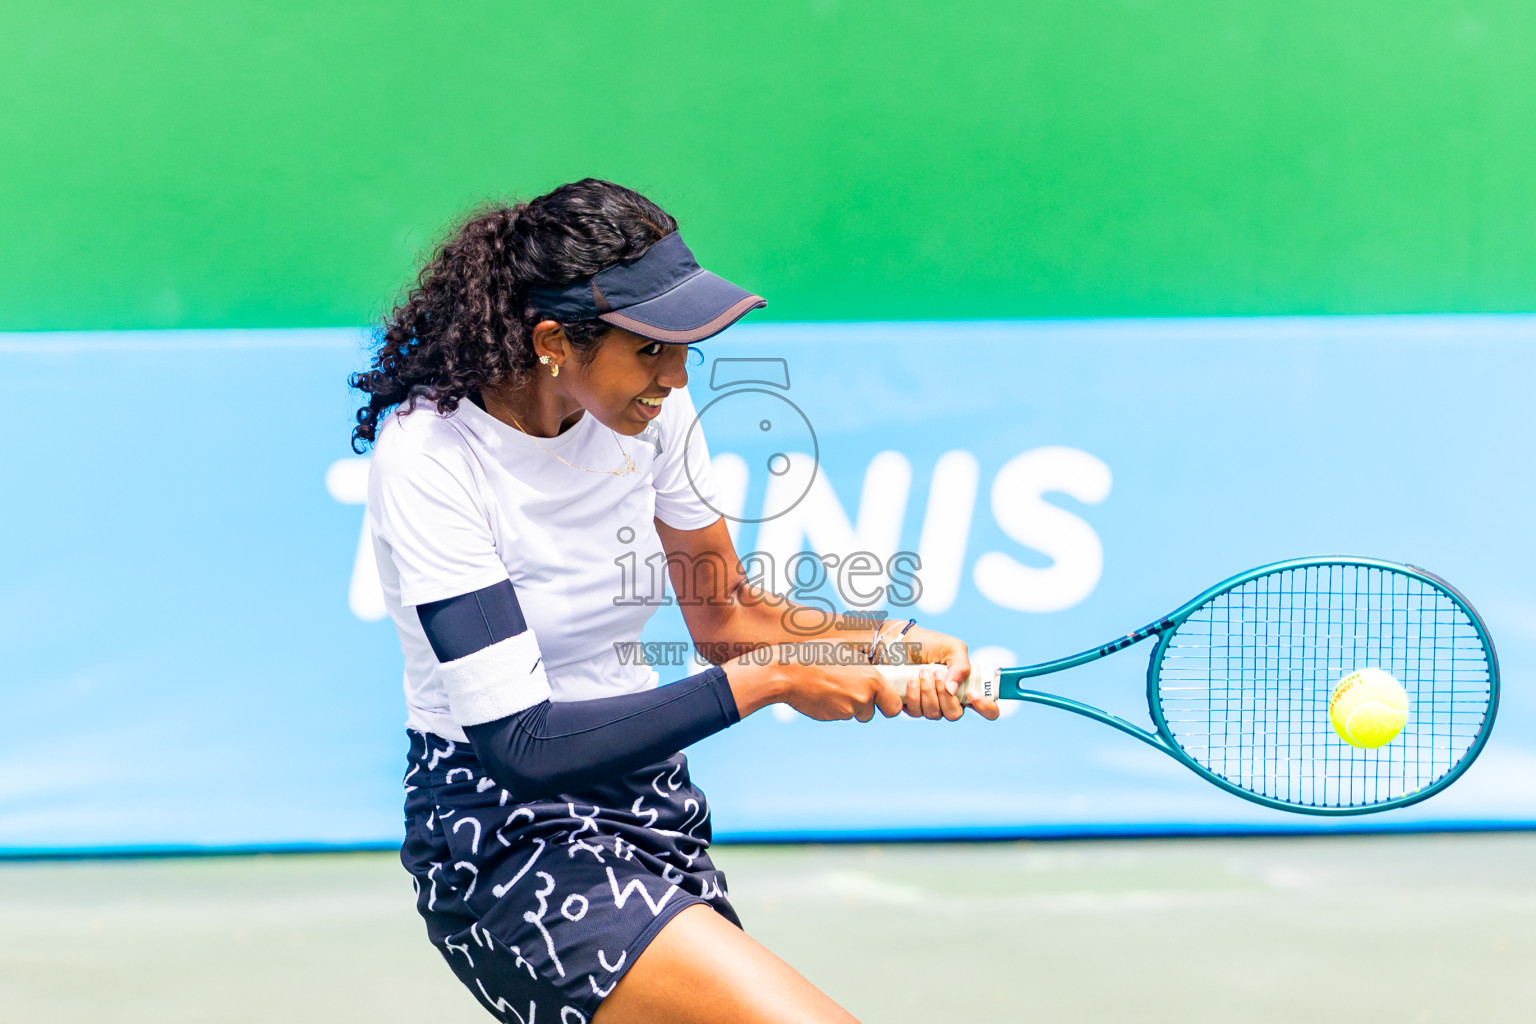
(888, 632)
(756, 686)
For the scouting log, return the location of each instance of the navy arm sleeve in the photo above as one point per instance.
(554, 747)
(558, 747)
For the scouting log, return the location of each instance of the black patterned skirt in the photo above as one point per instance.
(541, 907)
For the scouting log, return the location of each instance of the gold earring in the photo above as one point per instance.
(554, 371)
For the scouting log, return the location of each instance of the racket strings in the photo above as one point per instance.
(1244, 683)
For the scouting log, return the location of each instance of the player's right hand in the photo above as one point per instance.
(827, 693)
(927, 696)
(832, 693)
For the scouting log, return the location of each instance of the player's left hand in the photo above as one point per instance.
(936, 696)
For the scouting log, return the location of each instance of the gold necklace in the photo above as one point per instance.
(629, 462)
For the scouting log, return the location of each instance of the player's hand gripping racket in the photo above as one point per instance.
(1241, 677)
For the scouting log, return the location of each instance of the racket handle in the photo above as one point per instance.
(977, 685)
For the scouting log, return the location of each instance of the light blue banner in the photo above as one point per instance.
(192, 652)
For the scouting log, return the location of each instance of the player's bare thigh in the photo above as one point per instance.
(701, 969)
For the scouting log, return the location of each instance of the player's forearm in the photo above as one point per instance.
(727, 614)
(757, 620)
(560, 747)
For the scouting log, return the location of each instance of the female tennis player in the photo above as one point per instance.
(527, 408)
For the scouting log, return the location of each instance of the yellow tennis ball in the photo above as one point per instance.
(1368, 708)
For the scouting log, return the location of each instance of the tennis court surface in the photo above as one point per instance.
(1433, 928)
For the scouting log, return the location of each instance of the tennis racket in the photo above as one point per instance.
(1240, 678)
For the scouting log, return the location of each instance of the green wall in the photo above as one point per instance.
(182, 164)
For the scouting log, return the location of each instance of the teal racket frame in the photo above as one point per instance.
(1163, 739)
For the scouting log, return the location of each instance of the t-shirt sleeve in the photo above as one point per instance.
(685, 489)
(422, 505)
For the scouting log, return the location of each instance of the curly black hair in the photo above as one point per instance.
(467, 323)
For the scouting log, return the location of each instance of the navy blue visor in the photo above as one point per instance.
(663, 295)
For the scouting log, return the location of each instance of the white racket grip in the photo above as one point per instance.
(978, 684)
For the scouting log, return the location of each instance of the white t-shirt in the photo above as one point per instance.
(463, 501)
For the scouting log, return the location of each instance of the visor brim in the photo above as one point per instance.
(699, 308)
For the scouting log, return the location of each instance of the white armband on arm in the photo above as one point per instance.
(495, 681)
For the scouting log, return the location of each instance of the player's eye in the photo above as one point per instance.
(653, 349)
